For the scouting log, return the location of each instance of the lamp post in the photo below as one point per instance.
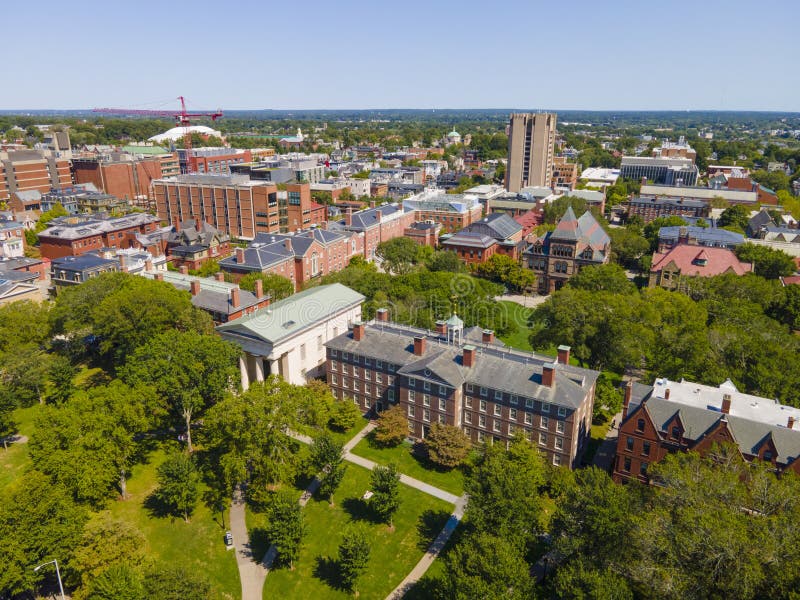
(58, 574)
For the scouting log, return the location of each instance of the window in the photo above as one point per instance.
(528, 419)
(426, 386)
(496, 425)
(378, 364)
(646, 448)
(355, 385)
(334, 380)
(345, 355)
(319, 342)
(557, 460)
(441, 419)
(334, 366)
(562, 411)
(367, 389)
(426, 415)
(510, 429)
(640, 425)
(411, 396)
(333, 353)
(412, 382)
(545, 423)
(442, 390)
(367, 362)
(345, 382)
(629, 444)
(545, 407)
(483, 406)
(498, 395)
(560, 426)
(410, 410)
(513, 414)
(643, 469)
(366, 403)
(484, 391)
(543, 439)
(391, 395)
(559, 443)
(468, 402)
(442, 404)
(426, 400)
(513, 399)
(481, 437)
(626, 465)
(528, 403)
(467, 417)
(378, 378)
(498, 410)
(676, 433)
(768, 455)
(482, 420)
(469, 387)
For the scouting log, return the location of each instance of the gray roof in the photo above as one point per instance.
(73, 228)
(187, 234)
(500, 226)
(80, 263)
(257, 258)
(364, 219)
(495, 367)
(470, 238)
(298, 312)
(706, 236)
(585, 232)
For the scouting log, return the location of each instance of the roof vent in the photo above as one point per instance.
(288, 324)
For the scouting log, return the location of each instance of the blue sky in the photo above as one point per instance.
(613, 54)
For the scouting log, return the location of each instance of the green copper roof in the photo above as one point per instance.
(148, 150)
(454, 321)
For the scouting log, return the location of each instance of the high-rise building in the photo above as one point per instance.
(32, 170)
(531, 137)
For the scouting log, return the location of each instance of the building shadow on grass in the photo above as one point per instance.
(359, 510)
(326, 569)
(430, 524)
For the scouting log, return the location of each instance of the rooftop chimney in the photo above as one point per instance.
(358, 331)
(148, 265)
(419, 345)
(219, 276)
(441, 327)
(548, 374)
(378, 215)
(348, 217)
(194, 287)
(259, 288)
(183, 270)
(626, 402)
(726, 404)
(159, 277)
(487, 336)
(563, 354)
(288, 244)
(468, 358)
(198, 225)
(235, 297)
(372, 204)
(123, 263)
(790, 423)
(382, 314)
(666, 394)
(239, 256)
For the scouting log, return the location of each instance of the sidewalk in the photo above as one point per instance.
(604, 457)
(251, 573)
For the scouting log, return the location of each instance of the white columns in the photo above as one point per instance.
(274, 367)
(243, 369)
(259, 367)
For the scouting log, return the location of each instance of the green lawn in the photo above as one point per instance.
(517, 316)
(394, 553)
(198, 544)
(15, 460)
(409, 464)
(346, 436)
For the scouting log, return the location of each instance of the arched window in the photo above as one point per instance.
(314, 264)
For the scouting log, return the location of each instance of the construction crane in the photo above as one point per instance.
(182, 119)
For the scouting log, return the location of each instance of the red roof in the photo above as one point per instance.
(793, 280)
(689, 260)
(528, 221)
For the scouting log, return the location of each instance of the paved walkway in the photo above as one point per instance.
(604, 457)
(251, 572)
(531, 301)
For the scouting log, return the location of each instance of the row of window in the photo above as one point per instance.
(366, 361)
(482, 437)
(425, 413)
(528, 419)
(366, 374)
(544, 407)
(426, 400)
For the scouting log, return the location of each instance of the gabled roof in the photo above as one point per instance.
(686, 259)
(470, 239)
(500, 226)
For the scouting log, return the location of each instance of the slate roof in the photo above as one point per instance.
(584, 232)
(298, 312)
(500, 226)
(705, 236)
(257, 258)
(495, 367)
(188, 235)
(471, 239)
(214, 295)
(686, 259)
(758, 221)
(74, 228)
(364, 219)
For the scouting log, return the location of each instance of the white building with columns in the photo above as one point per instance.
(288, 338)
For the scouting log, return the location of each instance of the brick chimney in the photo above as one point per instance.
(183, 270)
(123, 263)
(468, 358)
(358, 331)
(666, 394)
(259, 285)
(194, 287)
(419, 345)
(563, 354)
(219, 276)
(441, 327)
(288, 244)
(726, 404)
(548, 374)
(378, 215)
(239, 256)
(176, 223)
(790, 422)
(348, 217)
(626, 402)
(148, 265)
(159, 277)
(198, 225)
(487, 336)
(235, 297)
(382, 314)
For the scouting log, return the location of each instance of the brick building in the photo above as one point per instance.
(672, 416)
(194, 243)
(466, 379)
(211, 160)
(493, 234)
(650, 208)
(125, 175)
(452, 211)
(672, 268)
(424, 234)
(565, 174)
(377, 224)
(73, 236)
(32, 170)
(558, 255)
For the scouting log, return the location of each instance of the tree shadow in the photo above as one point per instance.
(429, 525)
(326, 570)
(359, 510)
(426, 588)
(259, 543)
(156, 507)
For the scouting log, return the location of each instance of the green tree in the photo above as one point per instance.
(61, 373)
(553, 211)
(23, 323)
(176, 583)
(447, 445)
(653, 227)
(603, 278)
(398, 254)
(189, 370)
(486, 566)
(44, 220)
(503, 269)
(767, 262)
(344, 414)
(607, 398)
(354, 551)
(8, 425)
(23, 374)
(286, 527)
(275, 286)
(392, 427)
(580, 581)
(385, 484)
(118, 582)
(178, 484)
(327, 458)
(446, 260)
(628, 246)
(735, 218)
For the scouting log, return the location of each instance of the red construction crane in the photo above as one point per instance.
(182, 119)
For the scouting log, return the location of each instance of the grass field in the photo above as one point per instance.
(197, 544)
(394, 553)
(15, 460)
(409, 464)
(518, 316)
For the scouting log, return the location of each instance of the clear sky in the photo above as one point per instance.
(284, 54)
